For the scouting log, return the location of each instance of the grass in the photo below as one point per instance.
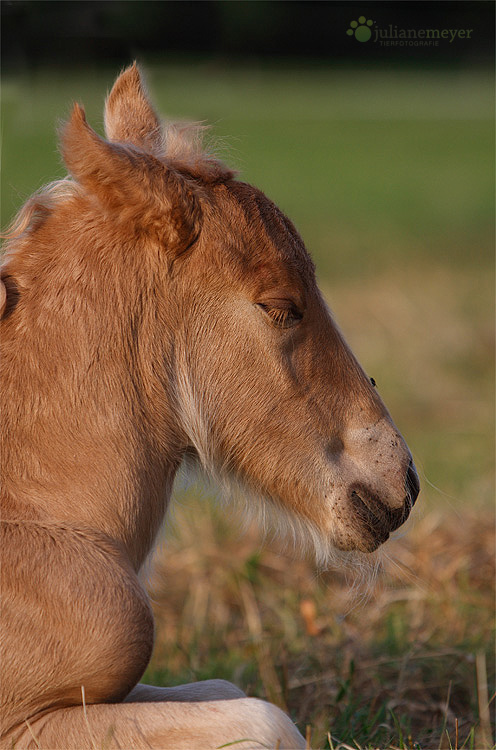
(389, 178)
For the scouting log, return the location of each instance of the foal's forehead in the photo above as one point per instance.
(267, 233)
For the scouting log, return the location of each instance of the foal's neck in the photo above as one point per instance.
(113, 481)
(89, 436)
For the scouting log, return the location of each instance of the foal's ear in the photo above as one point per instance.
(129, 116)
(139, 191)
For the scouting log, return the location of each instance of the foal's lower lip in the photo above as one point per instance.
(376, 529)
(364, 511)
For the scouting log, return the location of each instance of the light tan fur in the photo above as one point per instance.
(154, 308)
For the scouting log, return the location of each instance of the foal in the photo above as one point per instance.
(153, 307)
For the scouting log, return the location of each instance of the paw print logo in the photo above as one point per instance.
(360, 29)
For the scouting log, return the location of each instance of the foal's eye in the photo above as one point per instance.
(282, 317)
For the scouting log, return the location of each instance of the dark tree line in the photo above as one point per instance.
(74, 31)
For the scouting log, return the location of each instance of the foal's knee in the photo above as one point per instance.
(223, 690)
(268, 726)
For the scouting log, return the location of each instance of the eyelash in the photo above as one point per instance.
(282, 317)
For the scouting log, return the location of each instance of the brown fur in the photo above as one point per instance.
(154, 307)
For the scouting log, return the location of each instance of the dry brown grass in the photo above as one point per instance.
(406, 644)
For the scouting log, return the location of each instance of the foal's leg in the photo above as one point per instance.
(74, 615)
(247, 722)
(193, 692)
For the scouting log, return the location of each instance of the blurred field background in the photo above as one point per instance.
(388, 174)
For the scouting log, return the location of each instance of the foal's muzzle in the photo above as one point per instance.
(376, 519)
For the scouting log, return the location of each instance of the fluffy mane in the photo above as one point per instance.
(39, 206)
(186, 151)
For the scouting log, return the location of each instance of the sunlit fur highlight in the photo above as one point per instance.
(38, 207)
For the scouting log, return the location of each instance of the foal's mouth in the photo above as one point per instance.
(376, 520)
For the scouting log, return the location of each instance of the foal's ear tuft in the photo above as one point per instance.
(129, 115)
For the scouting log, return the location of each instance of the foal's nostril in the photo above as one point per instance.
(412, 483)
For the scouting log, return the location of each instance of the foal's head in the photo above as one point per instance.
(229, 324)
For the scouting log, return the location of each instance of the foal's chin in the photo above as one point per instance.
(297, 535)
(360, 540)
(347, 531)
(364, 530)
